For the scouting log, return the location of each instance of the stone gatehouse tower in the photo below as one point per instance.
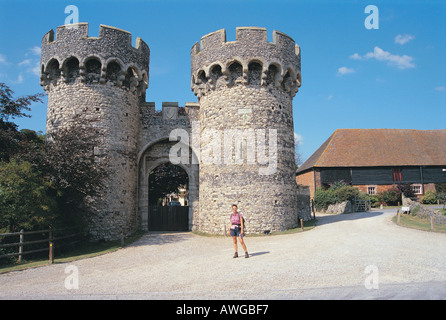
(240, 140)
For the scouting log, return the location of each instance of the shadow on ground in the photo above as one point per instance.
(162, 237)
(331, 218)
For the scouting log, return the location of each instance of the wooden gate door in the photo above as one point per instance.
(166, 218)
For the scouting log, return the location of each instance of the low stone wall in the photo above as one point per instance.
(424, 211)
(339, 208)
(427, 213)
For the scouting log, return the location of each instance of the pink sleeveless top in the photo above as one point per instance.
(236, 219)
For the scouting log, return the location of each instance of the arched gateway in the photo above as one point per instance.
(152, 156)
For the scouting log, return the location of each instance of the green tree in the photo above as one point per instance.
(73, 170)
(25, 202)
(165, 179)
(11, 108)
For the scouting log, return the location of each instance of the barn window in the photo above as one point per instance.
(416, 188)
(371, 190)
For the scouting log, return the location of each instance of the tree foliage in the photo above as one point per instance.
(12, 141)
(25, 200)
(165, 179)
(45, 182)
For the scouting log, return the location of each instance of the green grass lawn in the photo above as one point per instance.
(81, 251)
(415, 222)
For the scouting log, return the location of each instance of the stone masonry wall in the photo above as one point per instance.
(100, 81)
(246, 85)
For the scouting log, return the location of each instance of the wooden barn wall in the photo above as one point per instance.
(383, 175)
(434, 174)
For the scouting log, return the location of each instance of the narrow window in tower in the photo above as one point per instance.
(53, 69)
(286, 82)
(93, 70)
(113, 71)
(254, 73)
(202, 77)
(71, 69)
(131, 78)
(216, 74)
(235, 73)
(272, 75)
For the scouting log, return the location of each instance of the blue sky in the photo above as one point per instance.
(352, 77)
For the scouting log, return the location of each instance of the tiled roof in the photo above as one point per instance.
(380, 147)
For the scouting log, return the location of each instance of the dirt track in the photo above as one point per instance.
(355, 256)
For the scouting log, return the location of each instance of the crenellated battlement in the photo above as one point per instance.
(249, 60)
(73, 56)
(79, 31)
(248, 35)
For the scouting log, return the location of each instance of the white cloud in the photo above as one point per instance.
(19, 79)
(35, 50)
(345, 70)
(441, 88)
(32, 63)
(403, 39)
(298, 139)
(2, 58)
(25, 62)
(35, 69)
(355, 56)
(401, 62)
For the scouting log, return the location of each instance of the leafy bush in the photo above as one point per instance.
(440, 187)
(346, 193)
(429, 197)
(338, 192)
(390, 197)
(338, 184)
(323, 198)
(406, 189)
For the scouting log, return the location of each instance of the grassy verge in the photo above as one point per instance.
(418, 223)
(82, 251)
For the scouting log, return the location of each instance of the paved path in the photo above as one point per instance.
(354, 256)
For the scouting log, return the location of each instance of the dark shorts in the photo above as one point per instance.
(236, 232)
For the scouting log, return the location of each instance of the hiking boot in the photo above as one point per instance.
(246, 254)
(235, 255)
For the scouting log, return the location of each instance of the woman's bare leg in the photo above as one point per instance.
(234, 239)
(243, 244)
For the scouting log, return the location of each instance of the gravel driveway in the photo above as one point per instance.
(353, 256)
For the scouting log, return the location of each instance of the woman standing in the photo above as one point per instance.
(236, 230)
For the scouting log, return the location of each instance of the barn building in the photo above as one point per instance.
(374, 160)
